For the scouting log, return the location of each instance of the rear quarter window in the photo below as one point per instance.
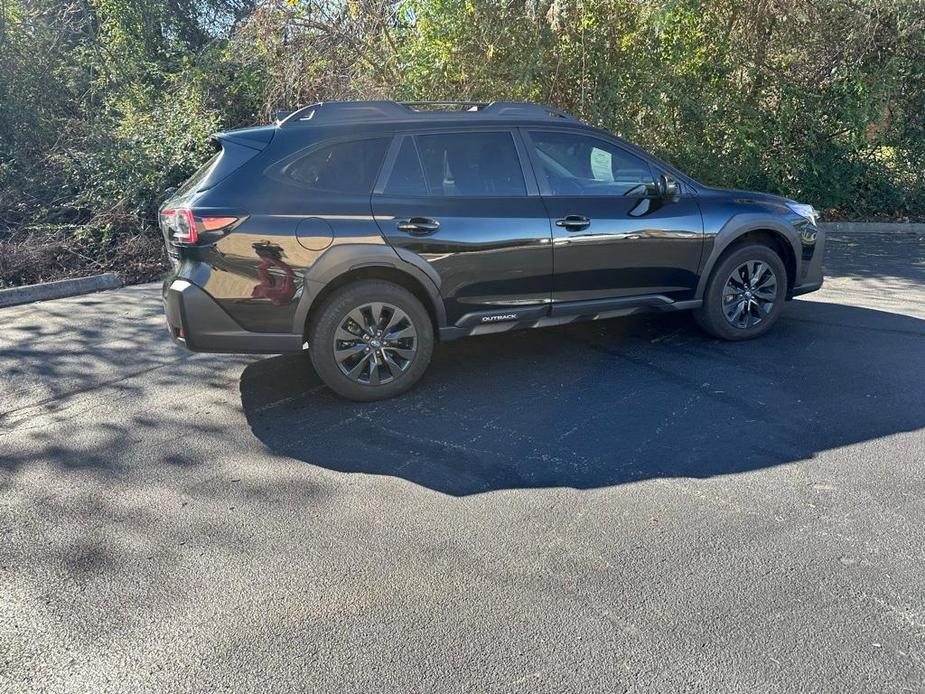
(347, 167)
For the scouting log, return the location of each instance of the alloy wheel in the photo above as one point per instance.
(749, 294)
(375, 343)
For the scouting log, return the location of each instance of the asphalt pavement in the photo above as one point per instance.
(620, 506)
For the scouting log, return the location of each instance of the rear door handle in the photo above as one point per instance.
(418, 225)
(574, 222)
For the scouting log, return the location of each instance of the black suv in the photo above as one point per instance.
(365, 230)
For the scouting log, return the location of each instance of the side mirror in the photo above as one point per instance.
(168, 192)
(668, 187)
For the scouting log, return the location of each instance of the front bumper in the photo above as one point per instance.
(198, 323)
(812, 241)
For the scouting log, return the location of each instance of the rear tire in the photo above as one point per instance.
(371, 340)
(745, 294)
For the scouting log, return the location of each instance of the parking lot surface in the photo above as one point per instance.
(620, 506)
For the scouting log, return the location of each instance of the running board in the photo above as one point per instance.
(503, 320)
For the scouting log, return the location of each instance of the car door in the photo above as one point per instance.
(460, 200)
(614, 235)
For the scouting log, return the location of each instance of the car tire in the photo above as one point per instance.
(371, 340)
(736, 304)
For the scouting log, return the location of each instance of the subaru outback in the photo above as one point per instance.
(366, 231)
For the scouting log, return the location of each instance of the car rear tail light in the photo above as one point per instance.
(216, 223)
(184, 226)
(184, 230)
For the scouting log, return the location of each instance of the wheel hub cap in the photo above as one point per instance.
(749, 294)
(375, 343)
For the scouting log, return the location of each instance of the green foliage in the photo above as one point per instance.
(104, 103)
(819, 101)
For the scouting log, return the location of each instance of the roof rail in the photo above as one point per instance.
(523, 109)
(358, 111)
(346, 111)
(428, 106)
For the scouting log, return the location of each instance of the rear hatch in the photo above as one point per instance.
(233, 149)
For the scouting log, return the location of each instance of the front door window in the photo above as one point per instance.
(580, 165)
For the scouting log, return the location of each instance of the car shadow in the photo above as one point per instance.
(610, 402)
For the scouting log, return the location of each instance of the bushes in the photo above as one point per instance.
(821, 101)
(104, 103)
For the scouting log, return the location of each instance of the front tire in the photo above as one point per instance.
(745, 294)
(371, 340)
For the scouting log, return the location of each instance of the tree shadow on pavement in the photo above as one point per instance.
(117, 513)
(600, 404)
(53, 349)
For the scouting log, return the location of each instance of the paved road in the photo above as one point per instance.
(619, 506)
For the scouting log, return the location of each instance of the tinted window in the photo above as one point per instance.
(341, 167)
(473, 164)
(581, 165)
(407, 177)
(201, 174)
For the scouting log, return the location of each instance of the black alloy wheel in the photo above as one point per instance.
(370, 340)
(375, 343)
(745, 294)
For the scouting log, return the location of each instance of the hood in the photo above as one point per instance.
(747, 195)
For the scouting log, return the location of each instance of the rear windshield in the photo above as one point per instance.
(202, 173)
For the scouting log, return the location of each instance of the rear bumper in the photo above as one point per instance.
(198, 323)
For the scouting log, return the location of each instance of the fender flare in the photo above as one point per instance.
(736, 227)
(343, 258)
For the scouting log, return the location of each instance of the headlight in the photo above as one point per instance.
(805, 211)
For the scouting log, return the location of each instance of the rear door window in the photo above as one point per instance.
(472, 164)
(348, 167)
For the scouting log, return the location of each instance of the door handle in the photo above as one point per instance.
(574, 222)
(418, 225)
